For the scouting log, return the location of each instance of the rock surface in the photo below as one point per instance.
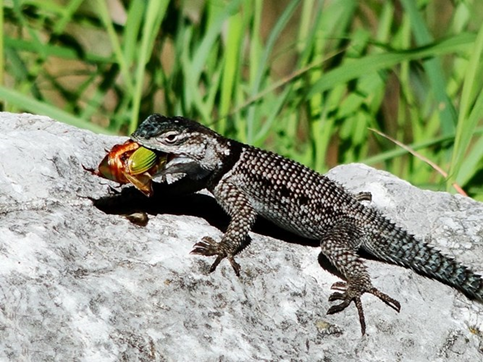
(80, 282)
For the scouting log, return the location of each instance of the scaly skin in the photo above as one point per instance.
(247, 181)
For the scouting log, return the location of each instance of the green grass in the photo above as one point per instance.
(307, 79)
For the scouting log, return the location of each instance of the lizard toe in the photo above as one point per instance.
(386, 299)
(342, 286)
(207, 247)
(216, 263)
(339, 307)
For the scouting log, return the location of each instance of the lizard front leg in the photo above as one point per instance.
(339, 246)
(243, 216)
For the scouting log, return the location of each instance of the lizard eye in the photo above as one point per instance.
(170, 137)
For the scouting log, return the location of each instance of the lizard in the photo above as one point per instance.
(247, 181)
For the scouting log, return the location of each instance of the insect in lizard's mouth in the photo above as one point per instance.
(131, 163)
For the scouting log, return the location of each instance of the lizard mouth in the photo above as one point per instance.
(175, 159)
(176, 163)
(180, 165)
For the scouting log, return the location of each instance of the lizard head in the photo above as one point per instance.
(192, 148)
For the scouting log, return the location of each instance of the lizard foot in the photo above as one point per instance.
(363, 196)
(209, 247)
(352, 293)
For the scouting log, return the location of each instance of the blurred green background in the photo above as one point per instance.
(306, 79)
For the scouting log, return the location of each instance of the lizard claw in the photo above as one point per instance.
(386, 299)
(349, 295)
(352, 294)
(216, 263)
(235, 265)
(208, 247)
(347, 298)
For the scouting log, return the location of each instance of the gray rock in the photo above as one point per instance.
(80, 282)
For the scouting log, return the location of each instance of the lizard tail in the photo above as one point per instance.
(389, 242)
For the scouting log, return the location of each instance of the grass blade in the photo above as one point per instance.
(42, 108)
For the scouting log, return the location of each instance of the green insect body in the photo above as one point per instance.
(141, 161)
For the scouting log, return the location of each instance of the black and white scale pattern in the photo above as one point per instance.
(247, 181)
(292, 196)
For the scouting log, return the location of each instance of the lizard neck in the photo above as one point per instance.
(228, 153)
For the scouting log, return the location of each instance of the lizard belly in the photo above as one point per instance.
(289, 218)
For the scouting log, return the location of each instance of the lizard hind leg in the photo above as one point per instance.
(339, 245)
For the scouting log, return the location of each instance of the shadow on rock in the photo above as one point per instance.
(177, 199)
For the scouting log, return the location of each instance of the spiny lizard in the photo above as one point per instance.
(247, 181)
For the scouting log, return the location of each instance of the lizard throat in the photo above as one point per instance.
(181, 164)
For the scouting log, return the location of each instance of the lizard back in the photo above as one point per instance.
(288, 193)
